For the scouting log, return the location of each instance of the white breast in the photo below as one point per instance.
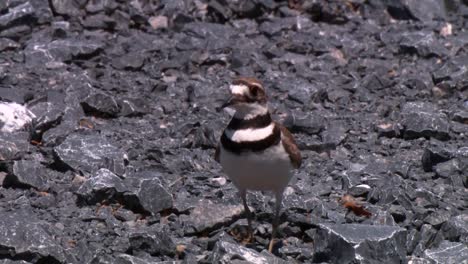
(250, 134)
(266, 170)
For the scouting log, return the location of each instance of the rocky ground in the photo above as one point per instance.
(111, 161)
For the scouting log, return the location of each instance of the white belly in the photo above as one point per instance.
(266, 170)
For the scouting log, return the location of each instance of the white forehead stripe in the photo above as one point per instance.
(239, 89)
(249, 135)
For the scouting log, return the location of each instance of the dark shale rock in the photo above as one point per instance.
(89, 153)
(139, 192)
(152, 240)
(207, 215)
(423, 120)
(448, 252)
(149, 191)
(103, 185)
(101, 105)
(60, 50)
(66, 7)
(29, 238)
(13, 145)
(410, 9)
(461, 117)
(27, 173)
(226, 252)
(355, 242)
(456, 228)
(423, 43)
(17, 15)
(435, 153)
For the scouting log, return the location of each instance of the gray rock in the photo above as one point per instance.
(435, 153)
(333, 135)
(13, 145)
(153, 196)
(60, 50)
(448, 253)
(130, 61)
(101, 105)
(437, 218)
(142, 191)
(27, 173)
(461, 116)
(128, 259)
(345, 243)
(448, 168)
(207, 215)
(423, 43)
(225, 252)
(66, 7)
(411, 9)
(310, 124)
(103, 185)
(423, 120)
(89, 153)
(49, 114)
(152, 240)
(23, 234)
(9, 261)
(8, 44)
(456, 228)
(16, 14)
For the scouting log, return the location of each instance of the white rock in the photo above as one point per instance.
(14, 117)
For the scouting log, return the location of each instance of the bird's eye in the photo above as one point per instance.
(253, 91)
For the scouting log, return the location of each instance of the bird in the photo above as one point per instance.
(255, 152)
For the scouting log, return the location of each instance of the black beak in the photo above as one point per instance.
(233, 100)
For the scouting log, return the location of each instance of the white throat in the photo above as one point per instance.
(249, 111)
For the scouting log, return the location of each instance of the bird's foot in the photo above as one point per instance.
(243, 234)
(272, 244)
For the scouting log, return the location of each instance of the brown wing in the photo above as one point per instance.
(216, 155)
(290, 146)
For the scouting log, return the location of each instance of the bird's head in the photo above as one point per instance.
(248, 98)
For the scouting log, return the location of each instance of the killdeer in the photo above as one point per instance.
(255, 152)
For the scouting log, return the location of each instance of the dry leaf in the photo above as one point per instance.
(351, 204)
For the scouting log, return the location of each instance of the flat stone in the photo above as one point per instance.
(129, 61)
(60, 50)
(345, 243)
(13, 145)
(89, 153)
(27, 173)
(102, 185)
(422, 120)
(409, 9)
(456, 228)
(226, 252)
(208, 215)
(437, 218)
(448, 252)
(152, 240)
(435, 153)
(16, 14)
(158, 22)
(23, 234)
(65, 7)
(153, 196)
(101, 105)
(141, 191)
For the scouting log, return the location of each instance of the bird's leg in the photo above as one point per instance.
(279, 198)
(243, 194)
